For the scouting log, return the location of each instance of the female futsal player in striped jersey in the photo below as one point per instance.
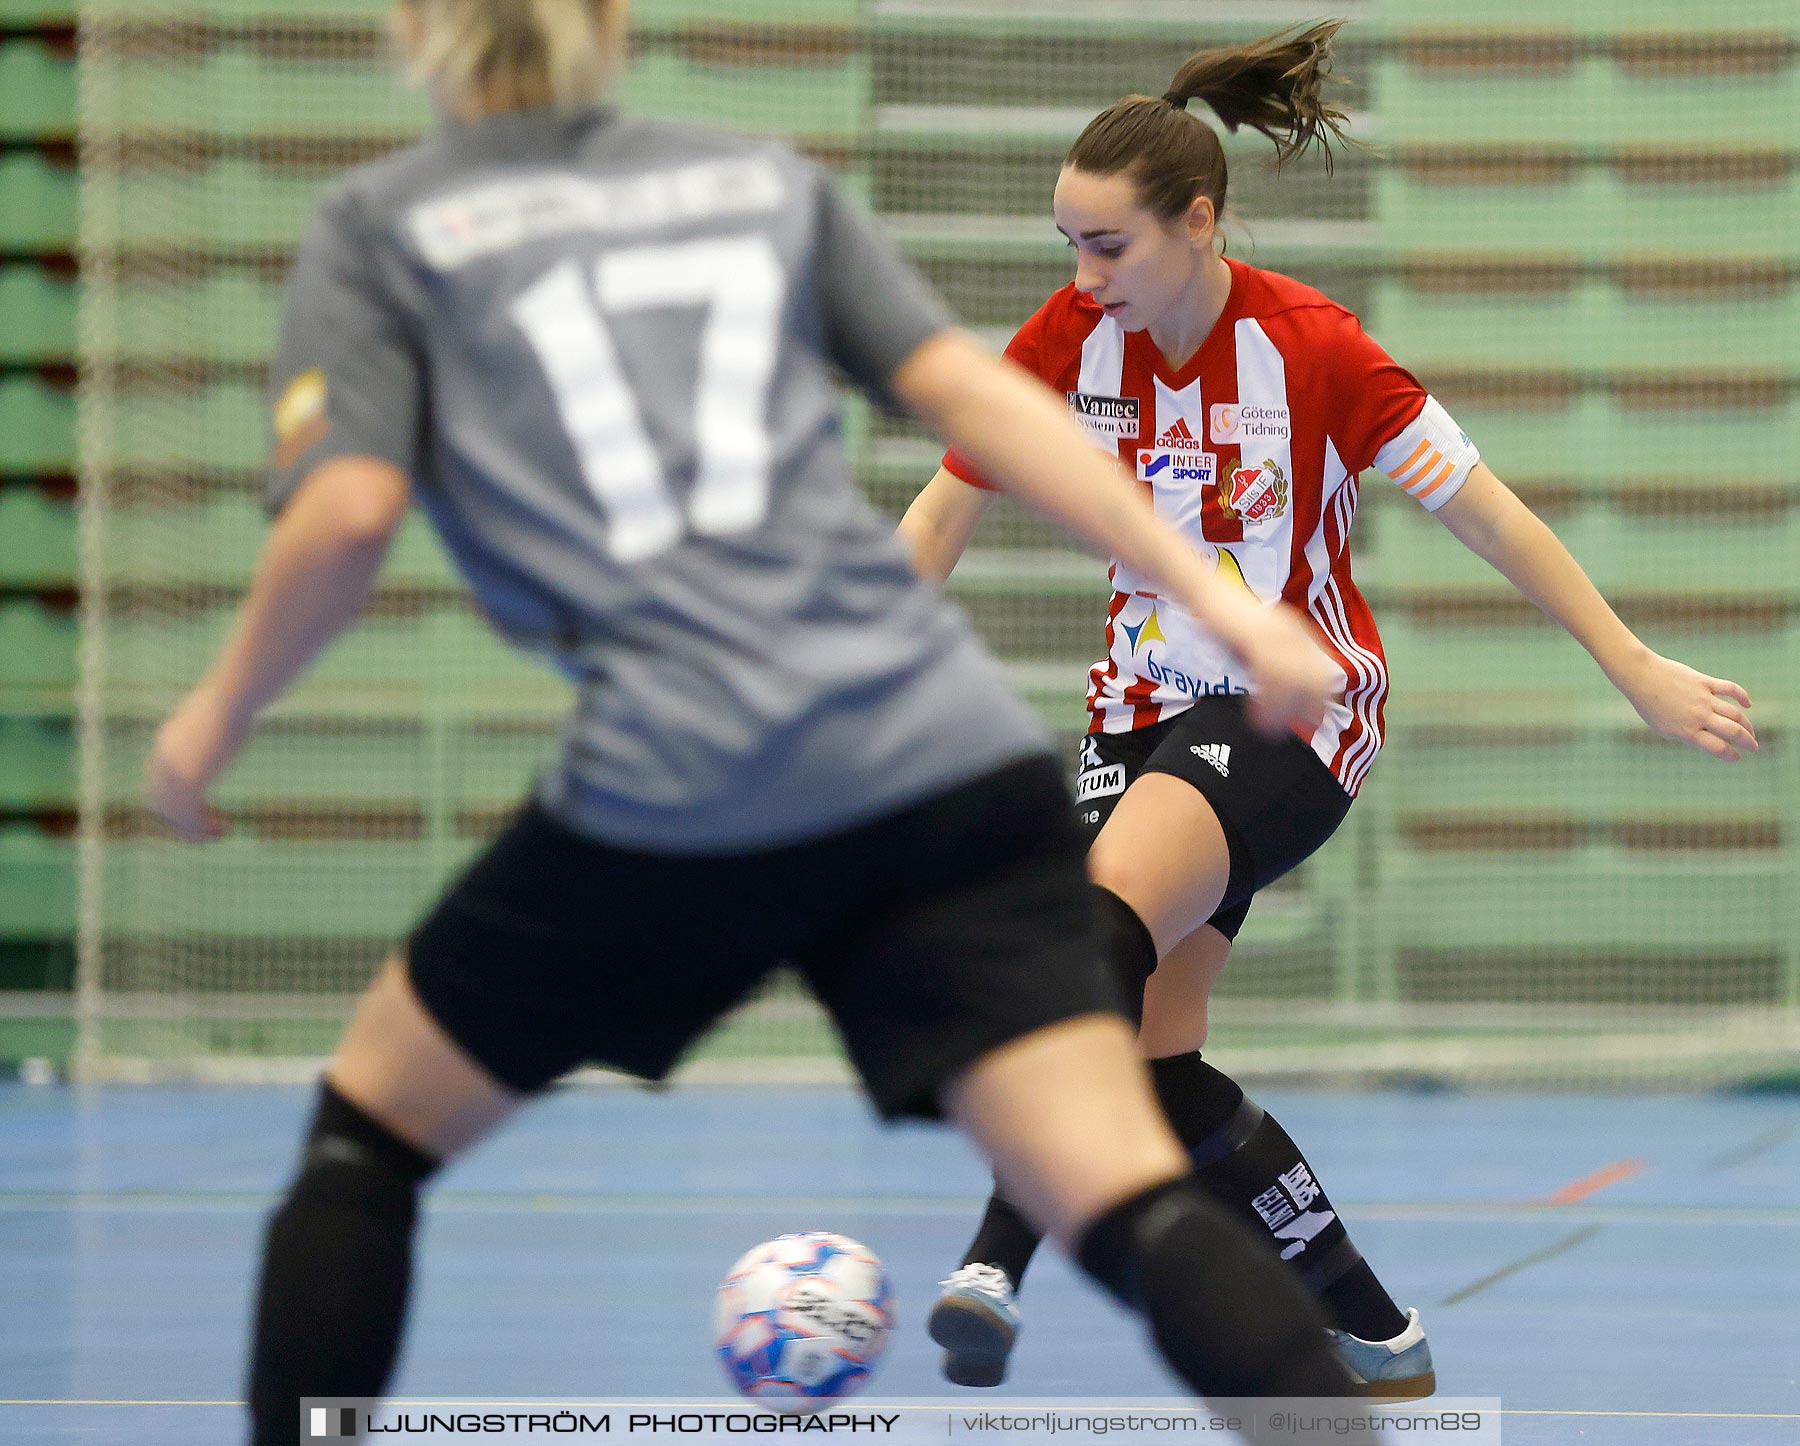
(600, 354)
(1247, 404)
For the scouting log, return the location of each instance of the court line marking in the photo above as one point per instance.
(1574, 1193)
(1749, 1150)
(1592, 1184)
(1549, 1252)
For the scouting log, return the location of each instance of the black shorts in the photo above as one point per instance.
(931, 936)
(1275, 798)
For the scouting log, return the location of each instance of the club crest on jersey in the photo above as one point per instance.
(1246, 424)
(1114, 417)
(1255, 493)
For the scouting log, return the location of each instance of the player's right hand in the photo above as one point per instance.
(1687, 706)
(193, 747)
(1292, 679)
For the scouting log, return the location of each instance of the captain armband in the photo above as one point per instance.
(1431, 458)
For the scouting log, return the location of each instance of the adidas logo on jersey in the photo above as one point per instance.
(1177, 456)
(1217, 754)
(1179, 439)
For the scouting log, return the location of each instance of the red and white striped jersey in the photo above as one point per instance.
(1253, 450)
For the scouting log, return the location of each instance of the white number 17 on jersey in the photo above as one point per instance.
(741, 285)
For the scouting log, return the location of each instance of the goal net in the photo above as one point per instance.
(1577, 226)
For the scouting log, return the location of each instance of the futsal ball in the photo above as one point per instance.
(803, 1317)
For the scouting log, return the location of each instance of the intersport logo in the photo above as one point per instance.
(1169, 465)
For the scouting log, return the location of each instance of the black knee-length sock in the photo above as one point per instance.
(337, 1264)
(1245, 1160)
(1241, 1156)
(1227, 1317)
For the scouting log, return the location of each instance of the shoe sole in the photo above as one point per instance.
(975, 1344)
(1407, 1388)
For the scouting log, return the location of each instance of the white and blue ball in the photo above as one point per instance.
(803, 1317)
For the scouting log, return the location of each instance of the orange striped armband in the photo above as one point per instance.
(1431, 458)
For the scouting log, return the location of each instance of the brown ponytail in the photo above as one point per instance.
(1275, 86)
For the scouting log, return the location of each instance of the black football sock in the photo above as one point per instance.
(1006, 1239)
(1227, 1318)
(1247, 1162)
(336, 1267)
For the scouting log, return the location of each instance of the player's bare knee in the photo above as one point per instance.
(1067, 1117)
(396, 1064)
(1171, 1026)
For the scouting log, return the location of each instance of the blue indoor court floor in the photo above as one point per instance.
(1621, 1271)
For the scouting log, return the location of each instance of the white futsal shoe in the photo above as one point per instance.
(976, 1321)
(1396, 1370)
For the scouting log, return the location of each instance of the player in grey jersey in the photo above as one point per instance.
(599, 353)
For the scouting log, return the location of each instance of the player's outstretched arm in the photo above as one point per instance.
(1678, 702)
(937, 527)
(312, 580)
(1018, 433)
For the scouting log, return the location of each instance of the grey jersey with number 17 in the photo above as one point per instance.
(603, 350)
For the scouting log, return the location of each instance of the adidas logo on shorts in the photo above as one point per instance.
(1217, 754)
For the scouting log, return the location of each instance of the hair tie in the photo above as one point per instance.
(1176, 99)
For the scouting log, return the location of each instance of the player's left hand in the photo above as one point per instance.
(193, 747)
(1686, 706)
